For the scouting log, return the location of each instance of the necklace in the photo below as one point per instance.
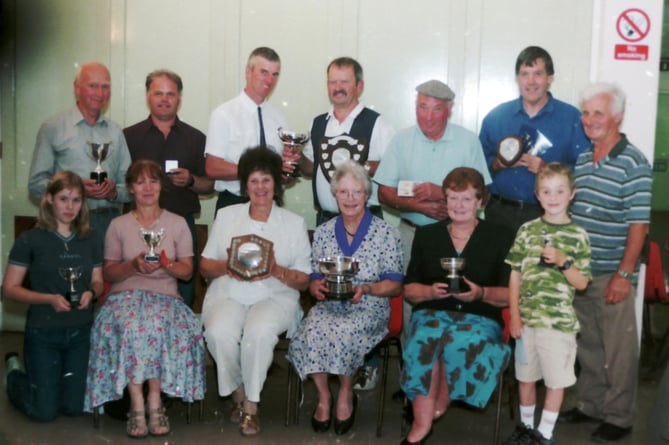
(462, 238)
(349, 233)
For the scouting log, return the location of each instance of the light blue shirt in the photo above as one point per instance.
(413, 157)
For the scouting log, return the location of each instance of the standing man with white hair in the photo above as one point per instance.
(64, 143)
(612, 203)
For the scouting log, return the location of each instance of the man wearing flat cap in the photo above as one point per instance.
(419, 158)
(417, 161)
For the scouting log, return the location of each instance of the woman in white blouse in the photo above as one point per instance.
(243, 318)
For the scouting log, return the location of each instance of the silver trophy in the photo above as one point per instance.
(339, 272)
(99, 152)
(71, 274)
(152, 239)
(295, 142)
(454, 266)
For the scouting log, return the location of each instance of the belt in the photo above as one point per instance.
(409, 223)
(513, 202)
(103, 210)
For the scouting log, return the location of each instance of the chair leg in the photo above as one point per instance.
(498, 411)
(289, 394)
(96, 417)
(385, 349)
(201, 410)
(189, 406)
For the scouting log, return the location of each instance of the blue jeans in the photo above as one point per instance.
(55, 377)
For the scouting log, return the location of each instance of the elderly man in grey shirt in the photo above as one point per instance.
(64, 143)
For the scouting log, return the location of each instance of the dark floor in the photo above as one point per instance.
(458, 426)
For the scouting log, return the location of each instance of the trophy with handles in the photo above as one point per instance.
(71, 274)
(99, 152)
(152, 239)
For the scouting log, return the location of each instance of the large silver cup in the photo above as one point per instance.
(152, 239)
(339, 272)
(99, 152)
(454, 266)
(295, 142)
(71, 274)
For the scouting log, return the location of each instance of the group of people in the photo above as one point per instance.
(564, 210)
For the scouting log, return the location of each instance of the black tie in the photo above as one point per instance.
(262, 128)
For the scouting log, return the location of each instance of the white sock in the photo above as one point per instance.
(547, 424)
(527, 415)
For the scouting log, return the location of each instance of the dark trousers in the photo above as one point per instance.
(54, 381)
(187, 288)
(225, 198)
(511, 216)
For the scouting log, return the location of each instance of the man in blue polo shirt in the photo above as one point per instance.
(612, 203)
(535, 126)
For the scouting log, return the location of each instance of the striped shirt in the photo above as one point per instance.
(610, 195)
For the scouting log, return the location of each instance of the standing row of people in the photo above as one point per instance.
(408, 168)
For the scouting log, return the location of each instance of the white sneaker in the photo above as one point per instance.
(367, 378)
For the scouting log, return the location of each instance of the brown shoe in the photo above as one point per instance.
(250, 425)
(237, 412)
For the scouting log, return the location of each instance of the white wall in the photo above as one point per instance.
(472, 45)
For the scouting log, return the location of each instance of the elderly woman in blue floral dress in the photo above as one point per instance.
(336, 335)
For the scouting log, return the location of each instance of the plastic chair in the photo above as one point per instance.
(294, 396)
(392, 338)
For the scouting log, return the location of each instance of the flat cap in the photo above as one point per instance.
(437, 89)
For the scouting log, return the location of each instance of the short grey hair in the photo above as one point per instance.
(612, 90)
(356, 171)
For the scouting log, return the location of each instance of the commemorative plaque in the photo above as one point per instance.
(249, 256)
(510, 149)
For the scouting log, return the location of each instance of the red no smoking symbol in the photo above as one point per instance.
(633, 25)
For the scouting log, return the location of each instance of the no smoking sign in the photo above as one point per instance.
(633, 25)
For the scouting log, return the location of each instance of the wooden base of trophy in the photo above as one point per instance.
(342, 290)
(72, 297)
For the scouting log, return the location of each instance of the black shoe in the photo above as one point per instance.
(537, 439)
(422, 441)
(575, 415)
(341, 427)
(607, 432)
(520, 436)
(321, 426)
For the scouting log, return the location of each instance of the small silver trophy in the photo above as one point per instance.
(71, 274)
(152, 239)
(454, 266)
(99, 152)
(339, 272)
(295, 142)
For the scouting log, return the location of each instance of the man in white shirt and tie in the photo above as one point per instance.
(243, 122)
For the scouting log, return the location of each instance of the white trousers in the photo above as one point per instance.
(241, 340)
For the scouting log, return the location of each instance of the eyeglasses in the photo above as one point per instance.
(350, 193)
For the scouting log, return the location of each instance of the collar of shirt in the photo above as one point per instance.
(547, 109)
(76, 118)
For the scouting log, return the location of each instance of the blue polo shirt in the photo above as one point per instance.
(556, 131)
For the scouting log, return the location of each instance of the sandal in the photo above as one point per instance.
(237, 412)
(157, 421)
(135, 427)
(250, 425)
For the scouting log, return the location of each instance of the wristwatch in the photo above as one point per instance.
(566, 265)
(625, 275)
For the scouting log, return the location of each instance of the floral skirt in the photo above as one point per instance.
(470, 347)
(140, 335)
(335, 336)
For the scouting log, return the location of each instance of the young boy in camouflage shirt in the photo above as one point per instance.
(550, 260)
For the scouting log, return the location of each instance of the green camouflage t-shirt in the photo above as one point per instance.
(546, 297)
